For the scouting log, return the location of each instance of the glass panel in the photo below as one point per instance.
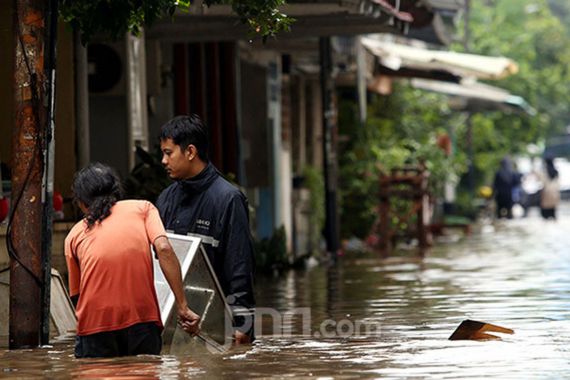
(204, 296)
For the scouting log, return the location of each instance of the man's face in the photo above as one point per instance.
(178, 163)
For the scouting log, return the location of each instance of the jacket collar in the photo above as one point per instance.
(201, 181)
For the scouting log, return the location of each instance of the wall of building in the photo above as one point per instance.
(108, 124)
(64, 134)
(255, 146)
(160, 88)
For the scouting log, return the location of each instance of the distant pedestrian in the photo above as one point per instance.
(550, 194)
(517, 185)
(505, 180)
(111, 278)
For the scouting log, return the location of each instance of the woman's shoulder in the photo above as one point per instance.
(130, 205)
(132, 202)
(75, 231)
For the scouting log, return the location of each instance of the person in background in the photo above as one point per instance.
(505, 181)
(111, 278)
(550, 194)
(202, 203)
(520, 197)
(517, 185)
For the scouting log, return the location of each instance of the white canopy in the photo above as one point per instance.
(476, 95)
(395, 56)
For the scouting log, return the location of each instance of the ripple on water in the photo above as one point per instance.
(516, 274)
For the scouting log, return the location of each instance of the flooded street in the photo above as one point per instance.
(390, 318)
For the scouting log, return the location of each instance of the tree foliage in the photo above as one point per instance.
(528, 32)
(115, 18)
(401, 129)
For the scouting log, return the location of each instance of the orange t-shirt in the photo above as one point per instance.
(110, 267)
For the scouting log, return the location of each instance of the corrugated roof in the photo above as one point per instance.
(396, 56)
(477, 95)
(469, 90)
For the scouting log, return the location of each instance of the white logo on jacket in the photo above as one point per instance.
(203, 222)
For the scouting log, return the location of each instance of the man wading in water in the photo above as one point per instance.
(201, 202)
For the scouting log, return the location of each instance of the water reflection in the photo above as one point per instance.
(125, 369)
(514, 276)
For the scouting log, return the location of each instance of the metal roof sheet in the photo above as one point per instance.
(477, 95)
(396, 56)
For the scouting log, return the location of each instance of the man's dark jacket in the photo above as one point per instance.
(209, 206)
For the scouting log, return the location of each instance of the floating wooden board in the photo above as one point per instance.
(475, 330)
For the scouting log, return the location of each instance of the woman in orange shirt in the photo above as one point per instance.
(110, 270)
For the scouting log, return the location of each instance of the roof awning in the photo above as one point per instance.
(312, 19)
(474, 96)
(396, 56)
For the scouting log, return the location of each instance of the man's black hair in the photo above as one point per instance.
(186, 130)
(98, 187)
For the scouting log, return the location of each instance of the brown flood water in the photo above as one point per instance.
(391, 318)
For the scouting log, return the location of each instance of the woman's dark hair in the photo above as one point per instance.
(186, 130)
(98, 187)
(552, 172)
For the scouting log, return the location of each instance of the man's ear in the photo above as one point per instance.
(191, 152)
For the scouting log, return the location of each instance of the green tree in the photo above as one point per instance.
(527, 32)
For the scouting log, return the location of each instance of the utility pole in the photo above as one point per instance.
(29, 229)
(469, 122)
(466, 32)
(329, 148)
(361, 81)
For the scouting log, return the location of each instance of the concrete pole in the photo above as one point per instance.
(329, 149)
(137, 115)
(361, 81)
(469, 122)
(466, 31)
(24, 235)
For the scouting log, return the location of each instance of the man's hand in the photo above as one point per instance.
(170, 267)
(241, 338)
(189, 321)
